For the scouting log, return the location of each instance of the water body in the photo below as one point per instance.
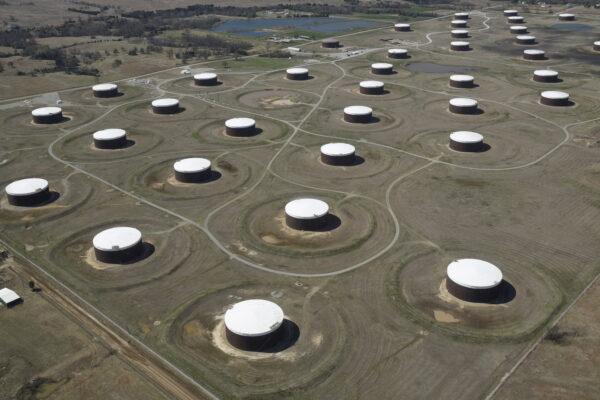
(262, 26)
(431, 68)
(571, 27)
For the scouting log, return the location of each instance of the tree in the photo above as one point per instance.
(1, 67)
(117, 63)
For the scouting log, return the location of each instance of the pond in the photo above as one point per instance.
(571, 27)
(265, 26)
(431, 68)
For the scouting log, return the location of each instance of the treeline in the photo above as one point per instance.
(16, 38)
(152, 23)
(116, 26)
(67, 61)
(196, 10)
(93, 5)
(550, 3)
(80, 11)
(75, 61)
(585, 3)
(349, 7)
(214, 44)
(320, 10)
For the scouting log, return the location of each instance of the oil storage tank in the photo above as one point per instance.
(306, 214)
(28, 192)
(254, 325)
(192, 170)
(473, 280)
(118, 245)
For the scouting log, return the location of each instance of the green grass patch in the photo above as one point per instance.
(384, 17)
(262, 63)
(304, 32)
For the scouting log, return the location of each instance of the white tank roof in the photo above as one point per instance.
(545, 72)
(191, 165)
(534, 52)
(117, 238)
(515, 18)
(555, 95)
(510, 11)
(109, 134)
(458, 22)
(8, 296)
(463, 102)
(518, 28)
(306, 208)
(337, 149)
(26, 187)
(474, 274)
(466, 137)
(297, 71)
(240, 123)
(358, 110)
(459, 31)
(401, 25)
(461, 78)
(459, 43)
(205, 76)
(525, 37)
(381, 66)
(371, 84)
(597, 43)
(397, 51)
(253, 318)
(104, 87)
(461, 14)
(165, 103)
(46, 111)
(566, 15)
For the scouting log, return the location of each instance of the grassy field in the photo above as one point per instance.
(368, 296)
(48, 354)
(545, 374)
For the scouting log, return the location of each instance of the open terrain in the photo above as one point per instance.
(35, 12)
(60, 355)
(368, 296)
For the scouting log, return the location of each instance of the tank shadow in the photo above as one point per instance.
(357, 160)
(147, 250)
(217, 83)
(330, 222)
(506, 293)
(290, 333)
(483, 148)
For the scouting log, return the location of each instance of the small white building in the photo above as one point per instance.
(9, 297)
